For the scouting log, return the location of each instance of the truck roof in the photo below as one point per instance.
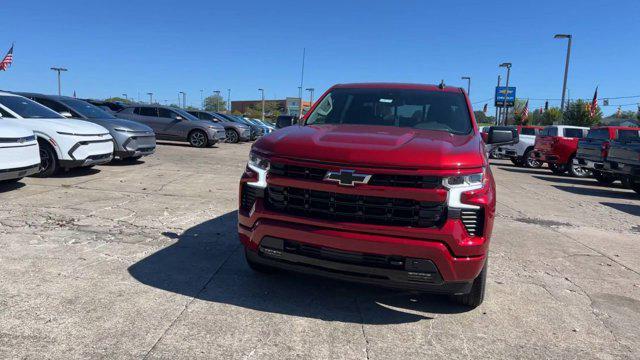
(381, 85)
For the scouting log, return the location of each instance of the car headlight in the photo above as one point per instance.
(260, 165)
(460, 184)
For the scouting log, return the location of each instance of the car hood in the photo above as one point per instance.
(117, 123)
(376, 146)
(71, 126)
(10, 130)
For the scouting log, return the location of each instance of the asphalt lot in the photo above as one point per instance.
(142, 261)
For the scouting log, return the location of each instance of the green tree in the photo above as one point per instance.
(118, 99)
(191, 108)
(549, 117)
(628, 114)
(215, 102)
(482, 118)
(271, 110)
(577, 114)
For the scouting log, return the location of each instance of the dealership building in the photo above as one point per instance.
(289, 106)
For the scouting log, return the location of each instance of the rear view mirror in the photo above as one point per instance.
(284, 121)
(66, 114)
(502, 135)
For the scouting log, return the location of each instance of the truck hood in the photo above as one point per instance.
(117, 123)
(375, 146)
(72, 126)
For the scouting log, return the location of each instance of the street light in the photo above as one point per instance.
(201, 100)
(311, 90)
(58, 70)
(566, 65)
(184, 99)
(262, 91)
(229, 100)
(150, 97)
(125, 96)
(217, 94)
(468, 78)
(506, 90)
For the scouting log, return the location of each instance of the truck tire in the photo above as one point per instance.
(476, 296)
(577, 171)
(516, 160)
(635, 186)
(557, 169)
(604, 178)
(530, 161)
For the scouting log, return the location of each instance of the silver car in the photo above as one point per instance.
(236, 132)
(132, 140)
(175, 124)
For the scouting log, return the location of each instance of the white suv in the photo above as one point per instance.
(63, 143)
(19, 156)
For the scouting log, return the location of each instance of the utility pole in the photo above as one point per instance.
(566, 65)
(184, 99)
(304, 53)
(125, 96)
(201, 100)
(468, 78)
(59, 70)
(311, 90)
(262, 92)
(150, 97)
(217, 95)
(229, 100)
(506, 91)
(497, 86)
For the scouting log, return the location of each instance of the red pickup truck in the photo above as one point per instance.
(386, 184)
(594, 149)
(557, 146)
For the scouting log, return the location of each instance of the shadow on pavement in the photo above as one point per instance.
(76, 172)
(602, 192)
(181, 144)
(540, 171)
(568, 180)
(10, 186)
(207, 262)
(627, 208)
(125, 162)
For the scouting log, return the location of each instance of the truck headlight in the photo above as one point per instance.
(260, 165)
(460, 184)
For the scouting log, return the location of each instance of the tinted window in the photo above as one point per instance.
(417, 109)
(628, 134)
(528, 131)
(28, 109)
(549, 131)
(87, 110)
(166, 113)
(599, 134)
(205, 116)
(574, 133)
(148, 111)
(53, 105)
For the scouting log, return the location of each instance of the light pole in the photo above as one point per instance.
(311, 90)
(262, 92)
(150, 97)
(229, 100)
(468, 78)
(125, 96)
(506, 90)
(217, 95)
(566, 65)
(184, 99)
(497, 86)
(59, 70)
(201, 100)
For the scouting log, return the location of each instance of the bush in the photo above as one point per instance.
(577, 114)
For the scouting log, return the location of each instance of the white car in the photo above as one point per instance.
(521, 152)
(19, 155)
(63, 143)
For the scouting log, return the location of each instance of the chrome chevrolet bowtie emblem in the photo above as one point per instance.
(347, 177)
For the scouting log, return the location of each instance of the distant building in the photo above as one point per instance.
(291, 105)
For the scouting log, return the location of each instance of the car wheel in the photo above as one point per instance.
(198, 138)
(577, 170)
(48, 160)
(256, 266)
(530, 161)
(232, 136)
(557, 169)
(604, 178)
(476, 296)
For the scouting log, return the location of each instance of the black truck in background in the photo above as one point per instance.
(623, 159)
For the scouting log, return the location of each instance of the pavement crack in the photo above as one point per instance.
(362, 329)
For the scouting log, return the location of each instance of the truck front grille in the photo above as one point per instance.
(355, 208)
(314, 173)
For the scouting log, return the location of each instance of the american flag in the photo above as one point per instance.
(525, 112)
(594, 104)
(8, 59)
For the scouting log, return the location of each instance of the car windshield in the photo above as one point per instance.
(416, 109)
(87, 110)
(28, 109)
(185, 114)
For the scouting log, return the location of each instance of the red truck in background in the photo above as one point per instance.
(557, 145)
(594, 149)
(385, 184)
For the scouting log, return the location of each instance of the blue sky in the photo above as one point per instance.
(169, 46)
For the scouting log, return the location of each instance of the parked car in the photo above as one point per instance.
(235, 132)
(623, 159)
(286, 120)
(521, 153)
(19, 155)
(256, 131)
(175, 124)
(594, 149)
(385, 184)
(557, 146)
(132, 140)
(108, 106)
(266, 128)
(63, 144)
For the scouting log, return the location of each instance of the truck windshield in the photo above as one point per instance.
(28, 109)
(417, 109)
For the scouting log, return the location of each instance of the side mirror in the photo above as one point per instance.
(179, 118)
(284, 121)
(66, 114)
(502, 135)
